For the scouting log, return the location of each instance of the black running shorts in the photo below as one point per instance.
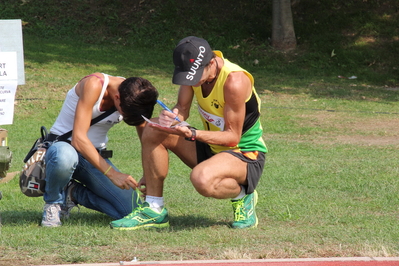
(255, 162)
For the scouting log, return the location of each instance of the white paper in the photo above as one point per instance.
(7, 97)
(182, 124)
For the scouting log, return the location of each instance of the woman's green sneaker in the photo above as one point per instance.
(142, 217)
(244, 212)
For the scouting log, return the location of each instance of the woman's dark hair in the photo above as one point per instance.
(138, 97)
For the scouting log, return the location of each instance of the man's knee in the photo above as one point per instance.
(62, 154)
(201, 181)
(151, 135)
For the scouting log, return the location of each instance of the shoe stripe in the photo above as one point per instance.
(145, 226)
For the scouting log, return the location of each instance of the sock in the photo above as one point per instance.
(241, 195)
(156, 203)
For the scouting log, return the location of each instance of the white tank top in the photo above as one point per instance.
(97, 132)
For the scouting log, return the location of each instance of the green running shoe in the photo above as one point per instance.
(244, 212)
(142, 217)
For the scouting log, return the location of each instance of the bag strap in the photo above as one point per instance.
(65, 136)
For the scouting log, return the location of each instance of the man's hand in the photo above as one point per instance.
(121, 180)
(166, 118)
(142, 186)
(182, 131)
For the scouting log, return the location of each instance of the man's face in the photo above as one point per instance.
(117, 102)
(205, 75)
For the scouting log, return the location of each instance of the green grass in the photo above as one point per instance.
(329, 187)
(330, 182)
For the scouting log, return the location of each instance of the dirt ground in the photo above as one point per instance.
(347, 128)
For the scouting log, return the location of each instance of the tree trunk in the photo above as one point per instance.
(283, 33)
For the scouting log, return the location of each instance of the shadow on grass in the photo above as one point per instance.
(194, 221)
(177, 223)
(295, 78)
(117, 60)
(16, 218)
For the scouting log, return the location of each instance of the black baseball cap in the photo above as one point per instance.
(190, 57)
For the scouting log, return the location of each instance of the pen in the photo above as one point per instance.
(167, 109)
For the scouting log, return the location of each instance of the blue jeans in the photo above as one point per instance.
(95, 191)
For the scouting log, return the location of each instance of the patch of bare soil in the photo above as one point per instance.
(369, 140)
(347, 128)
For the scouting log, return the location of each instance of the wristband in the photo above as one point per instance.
(106, 171)
(193, 134)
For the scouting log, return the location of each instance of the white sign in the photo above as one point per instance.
(7, 97)
(11, 41)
